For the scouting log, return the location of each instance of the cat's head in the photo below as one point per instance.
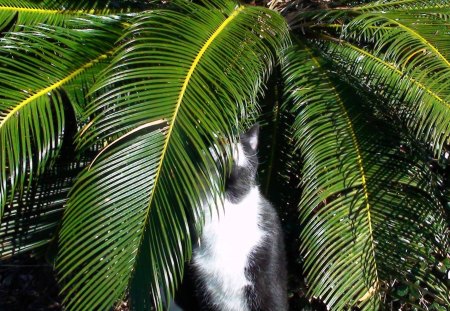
(242, 175)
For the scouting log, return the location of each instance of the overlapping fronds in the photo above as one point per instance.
(280, 164)
(428, 31)
(15, 14)
(98, 6)
(369, 212)
(388, 5)
(181, 78)
(36, 66)
(32, 220)
(416, 41)
(421, 101)
(117, 228)
(325, 17)
(279, 174)
(404, 53)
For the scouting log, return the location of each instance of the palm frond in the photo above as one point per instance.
(390, 5)
(416, 44)
(418, 102)
(280, 162)
(31, 110)
(105, 7)
(409, 47)
(279, 171)
(34, 217)
(430, 27)
(17, 14)
(404, 33)
(365, 202)
(32, 220)
(181, 77)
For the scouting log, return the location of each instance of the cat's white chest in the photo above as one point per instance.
(229, 236)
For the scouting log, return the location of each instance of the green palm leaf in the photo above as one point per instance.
(100, 6)
(389, 5)
(365, 202)
(406, 36)
(15, 14)
(32, 220)
(181, 77)
(411, 40)
(429, 27)
(34, 217)
(420, 104)
(405, 52)
(31, 110)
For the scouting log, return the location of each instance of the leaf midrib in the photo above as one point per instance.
(181, 96)
(419, 37)
(361, 169)
(47, 11)
(394, 69)
(28, 10)
(51, 88)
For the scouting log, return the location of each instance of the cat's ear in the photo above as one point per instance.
(251, 137)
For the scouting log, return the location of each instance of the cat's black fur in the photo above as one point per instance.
(266, 265)
(242, 178)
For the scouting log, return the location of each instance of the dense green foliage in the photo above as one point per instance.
(107, 109)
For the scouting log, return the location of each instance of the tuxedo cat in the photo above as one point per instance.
(239, 262)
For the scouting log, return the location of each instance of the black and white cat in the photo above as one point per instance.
(239, 263)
